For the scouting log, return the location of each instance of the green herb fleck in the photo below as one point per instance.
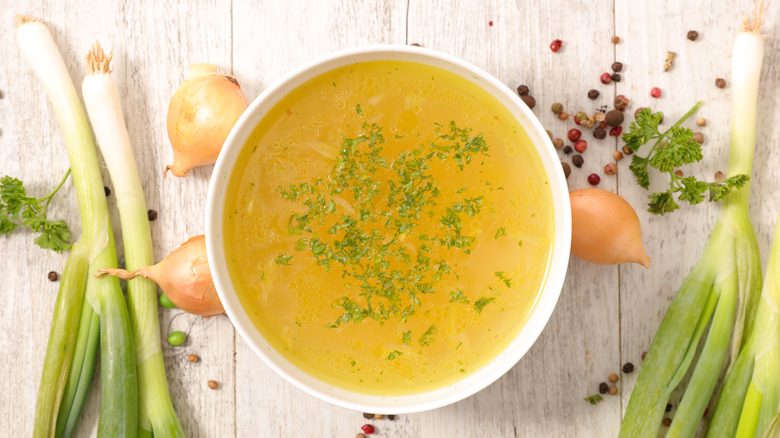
(500, 232)
(283, 259)
(458, 297)
(480, 304)
(406, 337)
(393, 354)
(594, 399)
(427, 337)
(506, 280)
(359, 109)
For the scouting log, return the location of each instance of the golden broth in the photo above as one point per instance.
(499, 276)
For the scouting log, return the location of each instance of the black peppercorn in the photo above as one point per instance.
(599, 133)
(368, 416)
(53, 276)
(692, 35)
(603, 387)
(529, 100)
(151, 214)
(107, 190)
(593, 94)
(617, 67)
(566, 169)
(577, 160)
(628, 368)
(567, 149)
(668, 407)
(523, 90)
(615, 77)
(391, 417)
(720, 83)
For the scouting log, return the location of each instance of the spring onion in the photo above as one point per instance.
(101, 98)
(95, 248)
(722, 289)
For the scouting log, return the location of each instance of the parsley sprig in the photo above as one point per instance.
(16, 208)
(671, 149)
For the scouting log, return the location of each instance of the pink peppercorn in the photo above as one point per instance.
(594, 179)
(368, 429)
(616, 131)
(655, 92)
(574, 134)
(606, 78)
(556, 45)
(580, 146)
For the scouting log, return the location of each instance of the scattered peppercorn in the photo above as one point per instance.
(669, 60)
(594, 180)
(621, 102)
(580, 145)
(719, 176)
(698, 137)
(107, 190)
(617, 155)
(577, 160)
(668, 407)
(567, 149)
(599, 133)
(720, 83)
(566, 169)
(667, 422)
(655, 92)
(360, 435)
(599, 116)
(606, 78)
(391, 417)
(549, 133)
(368, 429)
(368, 416)
(610, 168)
(612, 388)
(558, 143)
(563, 116)
(692, 35)
(523, 90)
(603, 388)
(529, 100)
(679, 173)
(490, 23)
(557, 108)
(613, 377)
(617, 67)
(627, 151)
(638, 110)
(151, 214)
(615, 39)
(193, 358)
(378, 416)
(581, 116)
(614, 118)
(628, 368)
(213, 384)
(574, 134)
(616, 77)
(603, 125)
(53, 276)
(555, 46)
(615, 132)
(593, 94)
(701, 121)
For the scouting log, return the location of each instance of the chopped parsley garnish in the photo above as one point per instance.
(506, 280)
(393, 354)
(501, 231)
(427, 337)
(283, 259)
(406, 337)
(480, 304)
(671, 149)
(458, 297)
(594, 399)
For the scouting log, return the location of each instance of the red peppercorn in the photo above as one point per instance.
(368, 429)
(556, 45)
(574, 134)
(490, 23)
(577, 122)
(602, 125)
(594, 179)
(580, 146)
(606, 78)
(615, 132)
(655, 92)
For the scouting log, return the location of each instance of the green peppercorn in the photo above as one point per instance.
(177, 338)
(557, 108)
(580, 116)
(166, 302)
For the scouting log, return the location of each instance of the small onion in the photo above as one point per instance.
(184, 277)
(200, 116)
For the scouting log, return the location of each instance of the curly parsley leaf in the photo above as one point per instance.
(643, 129)
(662, 202)
(638, 167)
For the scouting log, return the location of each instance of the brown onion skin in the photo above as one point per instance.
(605, 229)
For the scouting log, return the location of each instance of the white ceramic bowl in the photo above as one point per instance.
(354, 400)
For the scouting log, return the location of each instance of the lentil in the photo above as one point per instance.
(719, 176)
(555, 46)
(720, 83)
(621, 102)
(612, 389)
(627, 151)
(577, 160)
(594, 180)
(610, 168)
(558, 143)
(667, 422)
(701, 121)
(614, 118)
(698, 137)
(599, 133)
(603, 388)
(563, 116)
(574, 134)
(692, 35)
(593, 94)
(557, 108)
(53, 276)
(213, 384)
(615, 77)
(628, 368)
(617, 155)
(567, 149)
(193, 358)
(523, 90)
(617, 67)
(151, 214)
(580, 145)
(566, 169)
(368, 429)
(606, 78)
(529, 100)
(107, 190)
(615, 39)
(613, 378)
(655, 92)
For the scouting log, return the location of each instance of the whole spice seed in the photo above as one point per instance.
(599, 116)
(593, 94)
(701, 121)
(151, 214)
(580, 145)
(360, 435)
(566, 169)
(490, 23)
(391, 417)
(610, 168)
(580, 116)
(614, 118)
(613, 377)
(621, 102)
(368, 416)
(213, 384)
(588, 123)
(603, 388)
(599, 133)
(558, 143)
(523, 90)
(555, 46)
(669, 60)
(627, 151)
(529, 100)
(567, 149)
(603, 125)
(368, 429)
(594, 180)
(667, 422)
(574, 134)
(606, 78)
(692, 35)
(615, 39)
(549, 134)
(679, 173)
(563, 116)
(655, 92)
(719, 176)
(615, 77)
(698, 137)
(193, 358)
(628, 368)
(668, 407)
(557, 108)
(612, 388)
(107, 190)
(378, 416)
(577, 160)
(615, 132)
(53, 276)
(720, 83)
(617, 67)
(617, 155)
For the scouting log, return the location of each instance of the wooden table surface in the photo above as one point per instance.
(606, 315)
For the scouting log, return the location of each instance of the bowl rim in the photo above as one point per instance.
(545, 301)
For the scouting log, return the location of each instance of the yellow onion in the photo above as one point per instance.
(605, 229)
(200, 116)
(184, 276)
